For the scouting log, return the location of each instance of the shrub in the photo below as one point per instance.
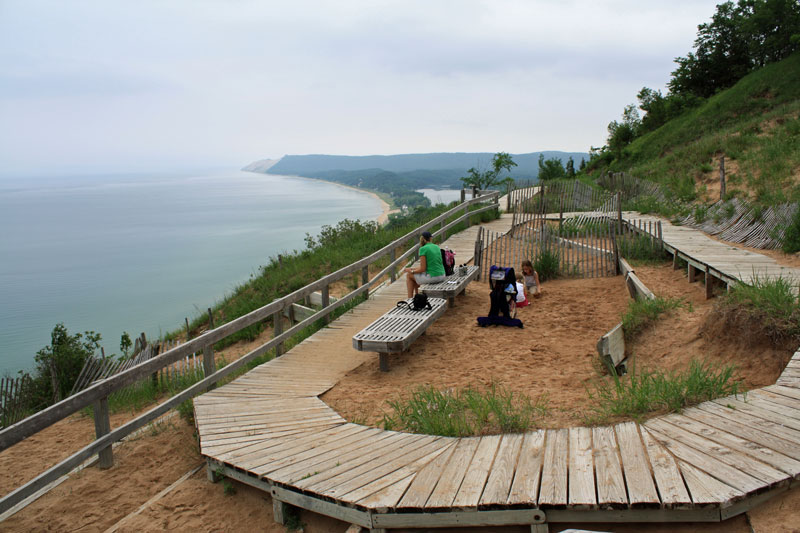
(641, 248)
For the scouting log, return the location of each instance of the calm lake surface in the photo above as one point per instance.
(442, 196)
(138, 253)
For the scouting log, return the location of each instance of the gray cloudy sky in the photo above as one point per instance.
(134, 85)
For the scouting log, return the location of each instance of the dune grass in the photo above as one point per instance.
(465, 412)
(645, 392)
(642, 313)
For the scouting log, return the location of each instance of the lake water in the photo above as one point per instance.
(442, 196)
(140, 253)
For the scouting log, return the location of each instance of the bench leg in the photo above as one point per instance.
(383, 361)
(451, 302)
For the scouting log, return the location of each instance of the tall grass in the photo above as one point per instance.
(640, 248)
(642, 313)
(640, 393)
(767, 308)
(465, 412)
(547, 264)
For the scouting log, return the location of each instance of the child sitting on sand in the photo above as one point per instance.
(531, 279)
(522, 299)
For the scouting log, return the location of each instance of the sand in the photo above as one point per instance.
(554, 354)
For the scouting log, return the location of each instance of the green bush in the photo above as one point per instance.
(640, 248)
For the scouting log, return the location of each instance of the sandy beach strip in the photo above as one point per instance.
(386, 209)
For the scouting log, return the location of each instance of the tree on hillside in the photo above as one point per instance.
(621, 134)
(740, 38)
(582, 166)
(59, 364)
(570, 168)
(550, 169)
(489, 178)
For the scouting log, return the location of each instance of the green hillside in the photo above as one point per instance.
(755, 125)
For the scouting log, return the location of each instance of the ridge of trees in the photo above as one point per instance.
(740, 38)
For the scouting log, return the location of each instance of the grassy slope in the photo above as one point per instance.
(754, 124)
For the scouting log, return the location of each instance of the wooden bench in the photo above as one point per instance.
(396, 330)
(452, 286)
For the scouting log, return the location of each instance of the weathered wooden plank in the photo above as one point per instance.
(525, 487)
(498, 486)
(760, 409)
(409, 462)
(671, 487)
(425, 481)
(446, 489)
(581, 469)
(706, 490)
(641, 488)
(743, 446)
(391, 474)
(718, 469)
(471, 489)
(553, 489)
(769, 423)
(610, 480)
(344, 469)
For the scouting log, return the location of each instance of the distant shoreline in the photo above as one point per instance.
(386, 209)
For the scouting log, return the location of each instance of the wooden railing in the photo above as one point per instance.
(97, 394)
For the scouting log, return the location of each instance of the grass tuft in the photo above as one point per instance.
(640, 393)
(465, 412)
(766, 309)
(644, 312)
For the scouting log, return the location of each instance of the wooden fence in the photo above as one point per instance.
(737, 221)
(14, 393)
(97, 393)
(584, 250)
(631, 187)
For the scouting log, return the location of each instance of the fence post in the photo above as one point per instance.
(722, 177)
(209, 367)
(277, 324)
(616, 253)
(474, 191)
(619, 211)
(102, 427)
(365, 280)
(463, 195)
(326, 301)
(392, 258)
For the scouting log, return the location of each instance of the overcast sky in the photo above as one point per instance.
(127, 86)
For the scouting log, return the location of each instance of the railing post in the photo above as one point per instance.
(619, 211)
(365, 280)
(277, 323)
(102, 427)
(474, 191)
(326, 301)
(209, 366)
(392, 258)
(463, 195)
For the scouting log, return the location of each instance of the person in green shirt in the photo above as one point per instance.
(430, 269)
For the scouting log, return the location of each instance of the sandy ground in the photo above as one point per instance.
(554, 354)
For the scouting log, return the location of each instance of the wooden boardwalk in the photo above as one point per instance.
(270, 429)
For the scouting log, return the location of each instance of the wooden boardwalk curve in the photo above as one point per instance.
(713, 461)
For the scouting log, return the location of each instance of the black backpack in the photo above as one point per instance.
(418, 303)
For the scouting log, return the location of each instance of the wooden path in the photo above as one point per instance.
(270, 429)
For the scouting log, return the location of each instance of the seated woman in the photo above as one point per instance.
(532, 284)
(430, 270)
